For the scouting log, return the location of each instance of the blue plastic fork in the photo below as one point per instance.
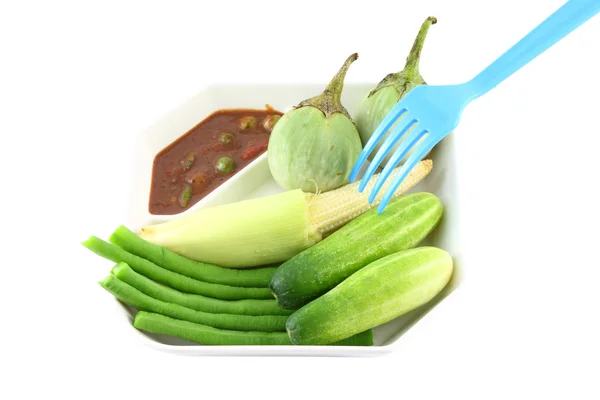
(430, 113)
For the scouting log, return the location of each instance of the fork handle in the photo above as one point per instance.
(564, 21)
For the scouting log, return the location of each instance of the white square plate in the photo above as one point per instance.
(255, 180)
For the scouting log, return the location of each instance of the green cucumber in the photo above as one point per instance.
(378, 293)
(407, 220)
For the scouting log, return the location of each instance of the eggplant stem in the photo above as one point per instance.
(336, 85)
(412, 61)
(330, 101)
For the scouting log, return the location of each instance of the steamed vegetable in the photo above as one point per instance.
(141, 301)
(132, 243)
(378, 293)
(378, 102)
(202, 334)
(407, 221)
(172, 279)
(269, 229)
(194, 301)
(314, 146)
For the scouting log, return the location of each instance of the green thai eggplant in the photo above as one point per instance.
(314, 146)
(378, 102)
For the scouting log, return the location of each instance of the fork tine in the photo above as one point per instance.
(398, 156)
(398, 132)
(419, 153)
(385, 124)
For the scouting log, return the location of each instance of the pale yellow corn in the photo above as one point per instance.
(243, 234)
(269, 229)
(331, 210)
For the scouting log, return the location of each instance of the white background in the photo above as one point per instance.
(79, 80)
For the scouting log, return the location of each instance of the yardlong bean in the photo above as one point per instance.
(194, 301)
(156, 323)
(173, 279)
(141, 301)
(132, 243)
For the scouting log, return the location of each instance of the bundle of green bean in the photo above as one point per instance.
(132, 243)
(196, 302)
(199, 302)
(173, 279)
(172, 319)
(141, 301)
